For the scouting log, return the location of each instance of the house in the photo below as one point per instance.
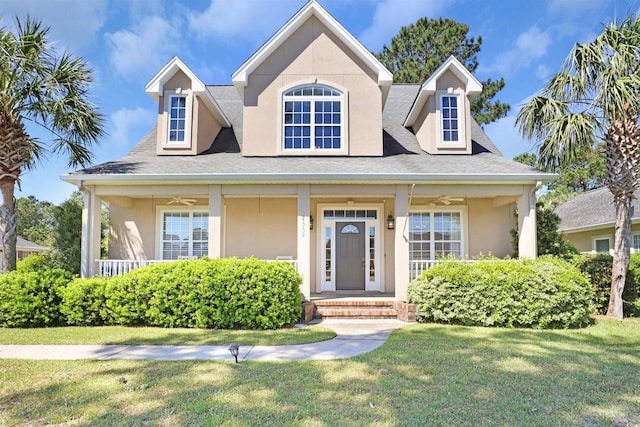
(24, 248)
(312, 156)
(588, 221)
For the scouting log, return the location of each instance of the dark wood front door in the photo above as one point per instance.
(350, 256)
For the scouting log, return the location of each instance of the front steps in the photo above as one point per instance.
(359, 309)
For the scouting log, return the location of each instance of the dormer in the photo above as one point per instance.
(188, 116)
(312, 89)
(441, 113)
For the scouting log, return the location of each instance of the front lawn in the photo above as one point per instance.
(423, 375)
(163, 336)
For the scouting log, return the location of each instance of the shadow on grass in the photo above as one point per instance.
(432, 375)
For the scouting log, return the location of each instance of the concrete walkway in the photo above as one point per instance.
(353, 337)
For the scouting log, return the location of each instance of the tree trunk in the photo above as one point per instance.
(8, 224)
(621, 251)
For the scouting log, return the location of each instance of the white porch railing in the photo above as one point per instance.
(118, 267)
(418, 266)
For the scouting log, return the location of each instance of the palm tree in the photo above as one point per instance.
(596, 98)
(47, 89)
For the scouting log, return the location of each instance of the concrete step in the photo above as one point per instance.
(365, 308)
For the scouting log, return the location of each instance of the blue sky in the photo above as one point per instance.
(126, 42)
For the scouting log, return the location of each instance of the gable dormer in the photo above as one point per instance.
(188, 116)
(312, 89)
(441, 114)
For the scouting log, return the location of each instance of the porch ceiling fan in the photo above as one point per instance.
(446, 200)
(183, 201)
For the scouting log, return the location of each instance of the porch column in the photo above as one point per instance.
(527, 236)
(91, 225)
(215, 221)
(304, 239)
(402, 242)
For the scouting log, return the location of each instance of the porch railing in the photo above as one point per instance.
(118, 267)
(418, 266)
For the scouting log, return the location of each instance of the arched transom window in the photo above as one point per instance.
(313, 119)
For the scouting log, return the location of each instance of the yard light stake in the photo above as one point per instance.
(234, 349)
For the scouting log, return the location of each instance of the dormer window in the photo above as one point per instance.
(313, 119)
(177, 118)
(452, 126)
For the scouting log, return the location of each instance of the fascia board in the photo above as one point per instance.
(592, 227)
(155, 87)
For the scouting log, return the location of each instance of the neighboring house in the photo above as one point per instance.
(588, 221)
(24, 248)
(315, 157)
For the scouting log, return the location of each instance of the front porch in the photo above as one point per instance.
(346, 241)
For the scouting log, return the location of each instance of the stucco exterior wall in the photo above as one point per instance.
(205, 126)
(489, 228)
(260, 227)
(312, 54)
(583, 240)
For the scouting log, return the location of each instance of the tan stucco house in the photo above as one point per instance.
(312, 156)
(588, 221)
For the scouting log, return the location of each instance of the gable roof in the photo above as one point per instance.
(155, 87)
(403, 161)
(25, 245)
(472, 85)
(240, 77)
(592, 210)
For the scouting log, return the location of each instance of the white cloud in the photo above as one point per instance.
(74, 23)
(529, 47)
(245, 19)
(391, 15)
(143, 50)
(127, 123)
(543, 72)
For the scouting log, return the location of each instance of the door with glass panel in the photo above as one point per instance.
(350, 255)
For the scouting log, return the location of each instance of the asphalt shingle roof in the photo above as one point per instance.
(402, 153)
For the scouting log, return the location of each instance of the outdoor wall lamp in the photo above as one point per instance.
(234, 349)
(311, 222)
(391, 222)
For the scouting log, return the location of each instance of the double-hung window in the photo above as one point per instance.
(450, 119)
(177, 118)
(433, 235)
(184, 234)
(313, 118)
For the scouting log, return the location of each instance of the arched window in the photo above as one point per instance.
(312, 118)
(350, 229)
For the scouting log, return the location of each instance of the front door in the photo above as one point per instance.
(350, 256)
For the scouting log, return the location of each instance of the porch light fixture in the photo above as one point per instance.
(391, 222)
(234, 349)
(311, 222)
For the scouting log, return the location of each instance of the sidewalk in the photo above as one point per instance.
(353, 337)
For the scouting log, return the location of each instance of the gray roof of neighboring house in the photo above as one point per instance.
(591, 210)
(402, 155)
(24, 244)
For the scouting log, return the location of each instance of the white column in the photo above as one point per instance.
(527, 235)
(91, 225)
(304, 239)
(215, 221)
(402, 242)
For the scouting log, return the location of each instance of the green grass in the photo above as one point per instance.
(437, 375)
(163, 336)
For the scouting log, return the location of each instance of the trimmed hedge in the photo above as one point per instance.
(543, 293)
(32, 299)
(597, 268)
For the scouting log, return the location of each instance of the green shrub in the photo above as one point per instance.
(32, 298)
(545, 293)
(83, 301)
(597, 268)
(35, 263)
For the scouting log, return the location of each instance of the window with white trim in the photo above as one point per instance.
(602, 244)
(184, 234)
(433, 235)
(635, 242)
(177, 119)
(450, 118)
(312, 118)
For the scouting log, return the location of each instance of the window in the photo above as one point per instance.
(433, 235)
(312, 118)
(177, 118)
(602, 244)
(635, 242)
(184, 234)
(450, 122)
